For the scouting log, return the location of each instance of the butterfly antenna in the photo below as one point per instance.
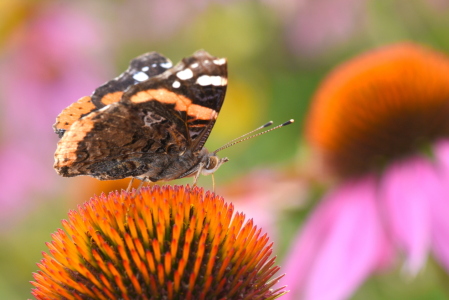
(241, 139)
(248, 133)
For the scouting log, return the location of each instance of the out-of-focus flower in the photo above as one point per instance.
(162, 243)
(439, 5)
(48, 63)
(281, 191)
(380, 123)
(314, 26)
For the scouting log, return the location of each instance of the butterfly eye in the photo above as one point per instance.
(212, 163)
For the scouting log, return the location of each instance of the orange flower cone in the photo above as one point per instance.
(381, 106)
(161, 243)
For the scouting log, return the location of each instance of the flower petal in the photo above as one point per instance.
(340, 245)
(440, 208)
(441, 152)
(405, 191)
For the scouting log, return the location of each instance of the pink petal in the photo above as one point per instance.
(308, 35)
(441, 151)
(405, 191)
(340, 245)
(440, 229)
(440, 208)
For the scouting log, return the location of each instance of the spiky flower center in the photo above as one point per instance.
(381, 106)
(162, 243)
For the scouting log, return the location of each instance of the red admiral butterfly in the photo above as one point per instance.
(150, 123)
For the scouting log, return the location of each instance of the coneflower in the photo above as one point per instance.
(380, 123)
(161, 243)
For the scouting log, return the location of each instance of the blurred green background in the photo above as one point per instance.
(54, 52)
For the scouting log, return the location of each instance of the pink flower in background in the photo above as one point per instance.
(49, 63)
(321, 24)
(312, 27)
(263, 194)
(318, 28)
(380, 123)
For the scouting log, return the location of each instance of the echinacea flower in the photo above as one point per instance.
(380, 122)
(161, 243)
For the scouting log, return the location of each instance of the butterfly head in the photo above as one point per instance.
(213, 163)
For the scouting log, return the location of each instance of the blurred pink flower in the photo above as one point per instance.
(438, 5)
(314, 26)
(49, 63)
(263, 205)
(380, 122)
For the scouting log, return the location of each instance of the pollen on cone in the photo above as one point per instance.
(382, 105)
(161, 243)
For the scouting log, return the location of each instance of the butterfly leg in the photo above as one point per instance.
(195, 179)
(130, 184)
(142, 183)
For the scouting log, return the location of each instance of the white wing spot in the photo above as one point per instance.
(140, 76)
(146, 68)
(219, 61)
(176, 84)
(211, 80)
(167, 65)
(185, 74)
(194, 65)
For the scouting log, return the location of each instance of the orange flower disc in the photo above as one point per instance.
(380, 106)
(162, 243)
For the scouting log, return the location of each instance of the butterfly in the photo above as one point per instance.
(149, 123)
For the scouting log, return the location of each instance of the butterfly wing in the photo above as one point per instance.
(140, 69)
